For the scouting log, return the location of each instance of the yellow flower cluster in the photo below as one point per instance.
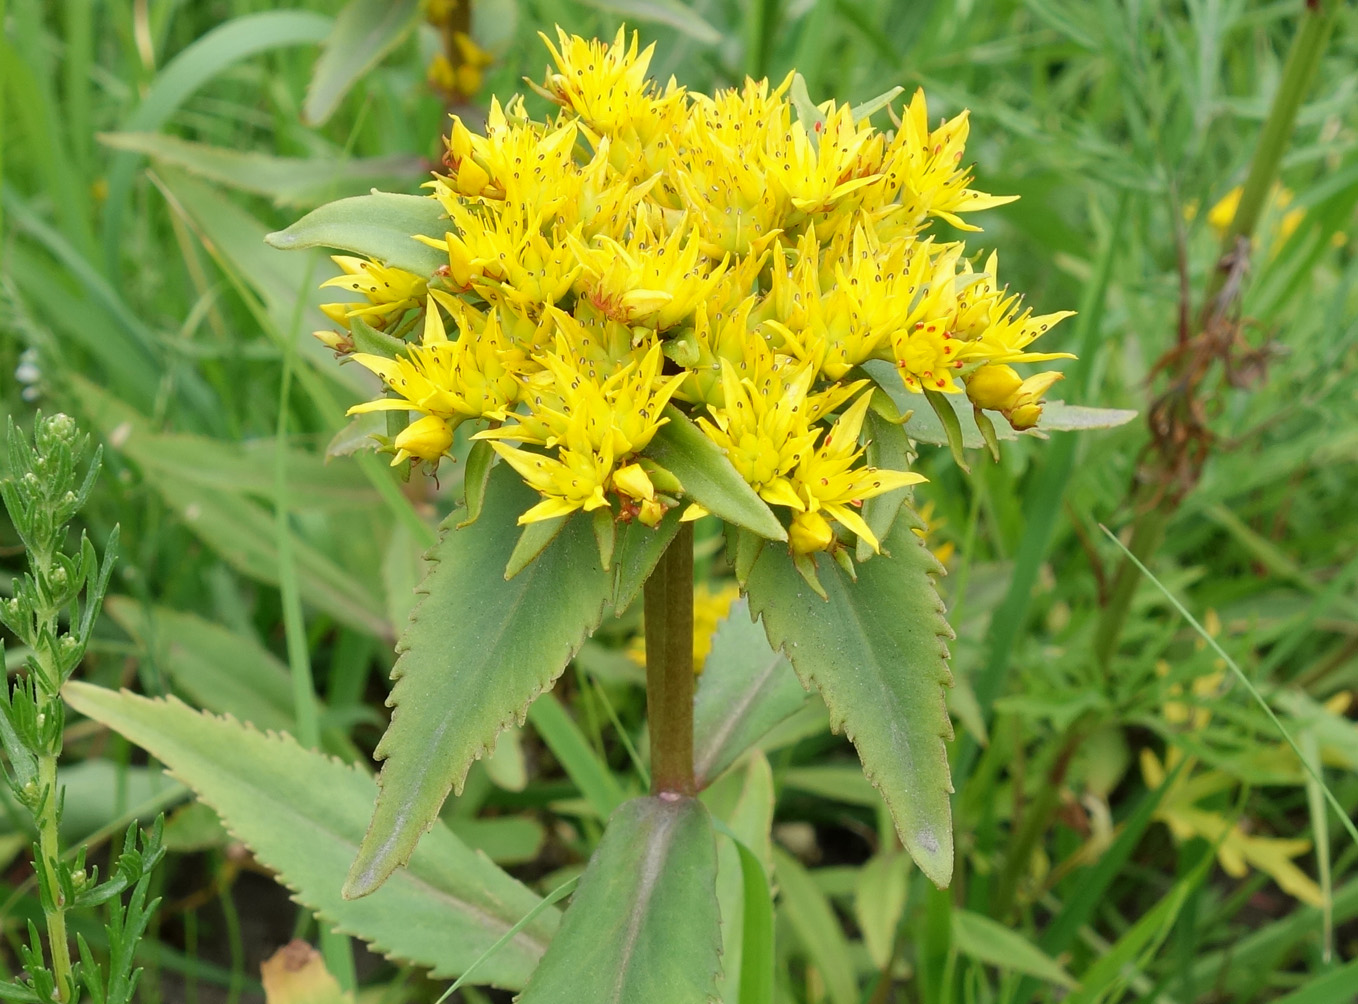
(739, 256)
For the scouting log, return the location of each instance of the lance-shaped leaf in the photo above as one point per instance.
(365, 31)
(746, 688)
(708, 477)
(643, 925)
(380, 225)
(875, 649)
(925, 425)
(476, 652)
(289, 181)
(302, 814)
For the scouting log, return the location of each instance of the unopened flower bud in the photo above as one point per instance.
(809, 532)
(994, 386)
(635, 482)
(428, 439)
(60, 426)
(334, 340)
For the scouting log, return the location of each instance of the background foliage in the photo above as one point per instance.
(148, 147)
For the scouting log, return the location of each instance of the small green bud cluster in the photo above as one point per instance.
(52, 612)
(43, 493)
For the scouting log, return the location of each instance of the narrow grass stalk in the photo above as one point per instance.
(1299, 72)
(1349, 825)
(669, 666)
(1303, 61)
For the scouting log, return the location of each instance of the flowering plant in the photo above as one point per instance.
(652, 307)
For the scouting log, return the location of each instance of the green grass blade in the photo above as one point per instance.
(1245, 682)
(204, 59)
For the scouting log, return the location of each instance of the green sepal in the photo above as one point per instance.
(743, 546)
(532, 542)
(380, 226)
(708, 477)
(808, 114)
(884, 406)
(605, 534)
(889, 448)
(987, 427)
(952, 425)
(378, 343)
(643, 924)
(844, 561)
(475, 476)
(806, 568)
(663, 479)
(682, 349)
(872, 105)
(637, 551)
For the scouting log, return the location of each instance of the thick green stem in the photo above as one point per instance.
(669, 666)
(49, 854)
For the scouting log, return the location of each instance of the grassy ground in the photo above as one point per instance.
(138, 295)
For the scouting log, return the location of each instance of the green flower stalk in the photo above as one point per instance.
(52, 612)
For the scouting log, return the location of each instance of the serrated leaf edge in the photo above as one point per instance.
(943, 632)
(296, 895)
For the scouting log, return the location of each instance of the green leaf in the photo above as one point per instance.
(191, 68)
(708, 477)
(744, 800)
(874, 105)
(876, 652)
(288, 181)
(756, 934)
(534, 538)
(219, 669)
(991, 942)
(925, 426)
(1334, 987)
(671, 13)
(381, 226)
(1142, 939)
(879, 902)
(746, 688)
(478, 649)
(364, 32)
(303, 814)
(948, 418)
(808, 911)
(643, 924)
(506, 840)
